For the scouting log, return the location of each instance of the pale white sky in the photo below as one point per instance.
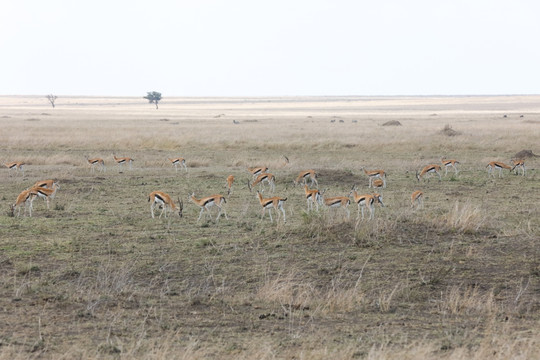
(269, 48)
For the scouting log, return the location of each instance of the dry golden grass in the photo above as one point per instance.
(96, 277)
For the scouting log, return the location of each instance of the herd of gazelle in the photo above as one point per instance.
(377, 179)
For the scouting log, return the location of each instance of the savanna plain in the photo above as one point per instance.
(96, 277)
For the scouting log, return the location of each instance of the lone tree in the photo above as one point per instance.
(52, 98)
(153, 97)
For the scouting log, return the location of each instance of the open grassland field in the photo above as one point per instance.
(96, 277)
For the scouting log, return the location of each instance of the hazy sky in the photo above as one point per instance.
(269, 48)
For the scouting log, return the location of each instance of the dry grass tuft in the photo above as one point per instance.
(463, 218)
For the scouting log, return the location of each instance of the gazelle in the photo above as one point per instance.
(375, 174)
(178, 162)
(44, 193)
(378, 184)
(519, 164)
(16, 165)
(312, 197)
(305, 175)
(338, 202)
(24, 199)
(262, 178)
(497, 165)
(206, 203)
(121, 161)
(96, 162)
(230, 182)
(275, 202)
(429, 169)
(256, 171)
(417, 199)
(49, 184)
(449, 163)
(164, 201)
(366, 200)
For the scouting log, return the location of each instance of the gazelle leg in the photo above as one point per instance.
(200, 214)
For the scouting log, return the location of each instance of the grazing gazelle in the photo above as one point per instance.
(256, 171)
(178, 162)
(24, 199)
(17, 166)
(429, 169)
(96, 162)
(230, 182)
(121, 161)
(206, 203)
(261, 179)
(366, 200)
(312, 197)
(44, 193)
(519, 164)
(449, 163)
(378, 184)
(417, 199)
(375, 174)
(305, 175)
(275, 202)
(164, 201)
(338, 202)
(497, 165)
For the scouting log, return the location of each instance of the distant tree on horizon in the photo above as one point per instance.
(52, 98)
(153, 97)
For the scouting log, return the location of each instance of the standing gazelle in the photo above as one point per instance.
(121, 161)
(366, 200)
(17, 166)
(24, 199)
(312, 197)
(429, 169)
(417, 199)
(206, 203)
(497, 165)
(230, 182)
(178, 162)
(450, 163)
(519, 164)
(164, 201)
(275, 202)
(305, 175)
(96, 162)
(338, 202)
(375, 174)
